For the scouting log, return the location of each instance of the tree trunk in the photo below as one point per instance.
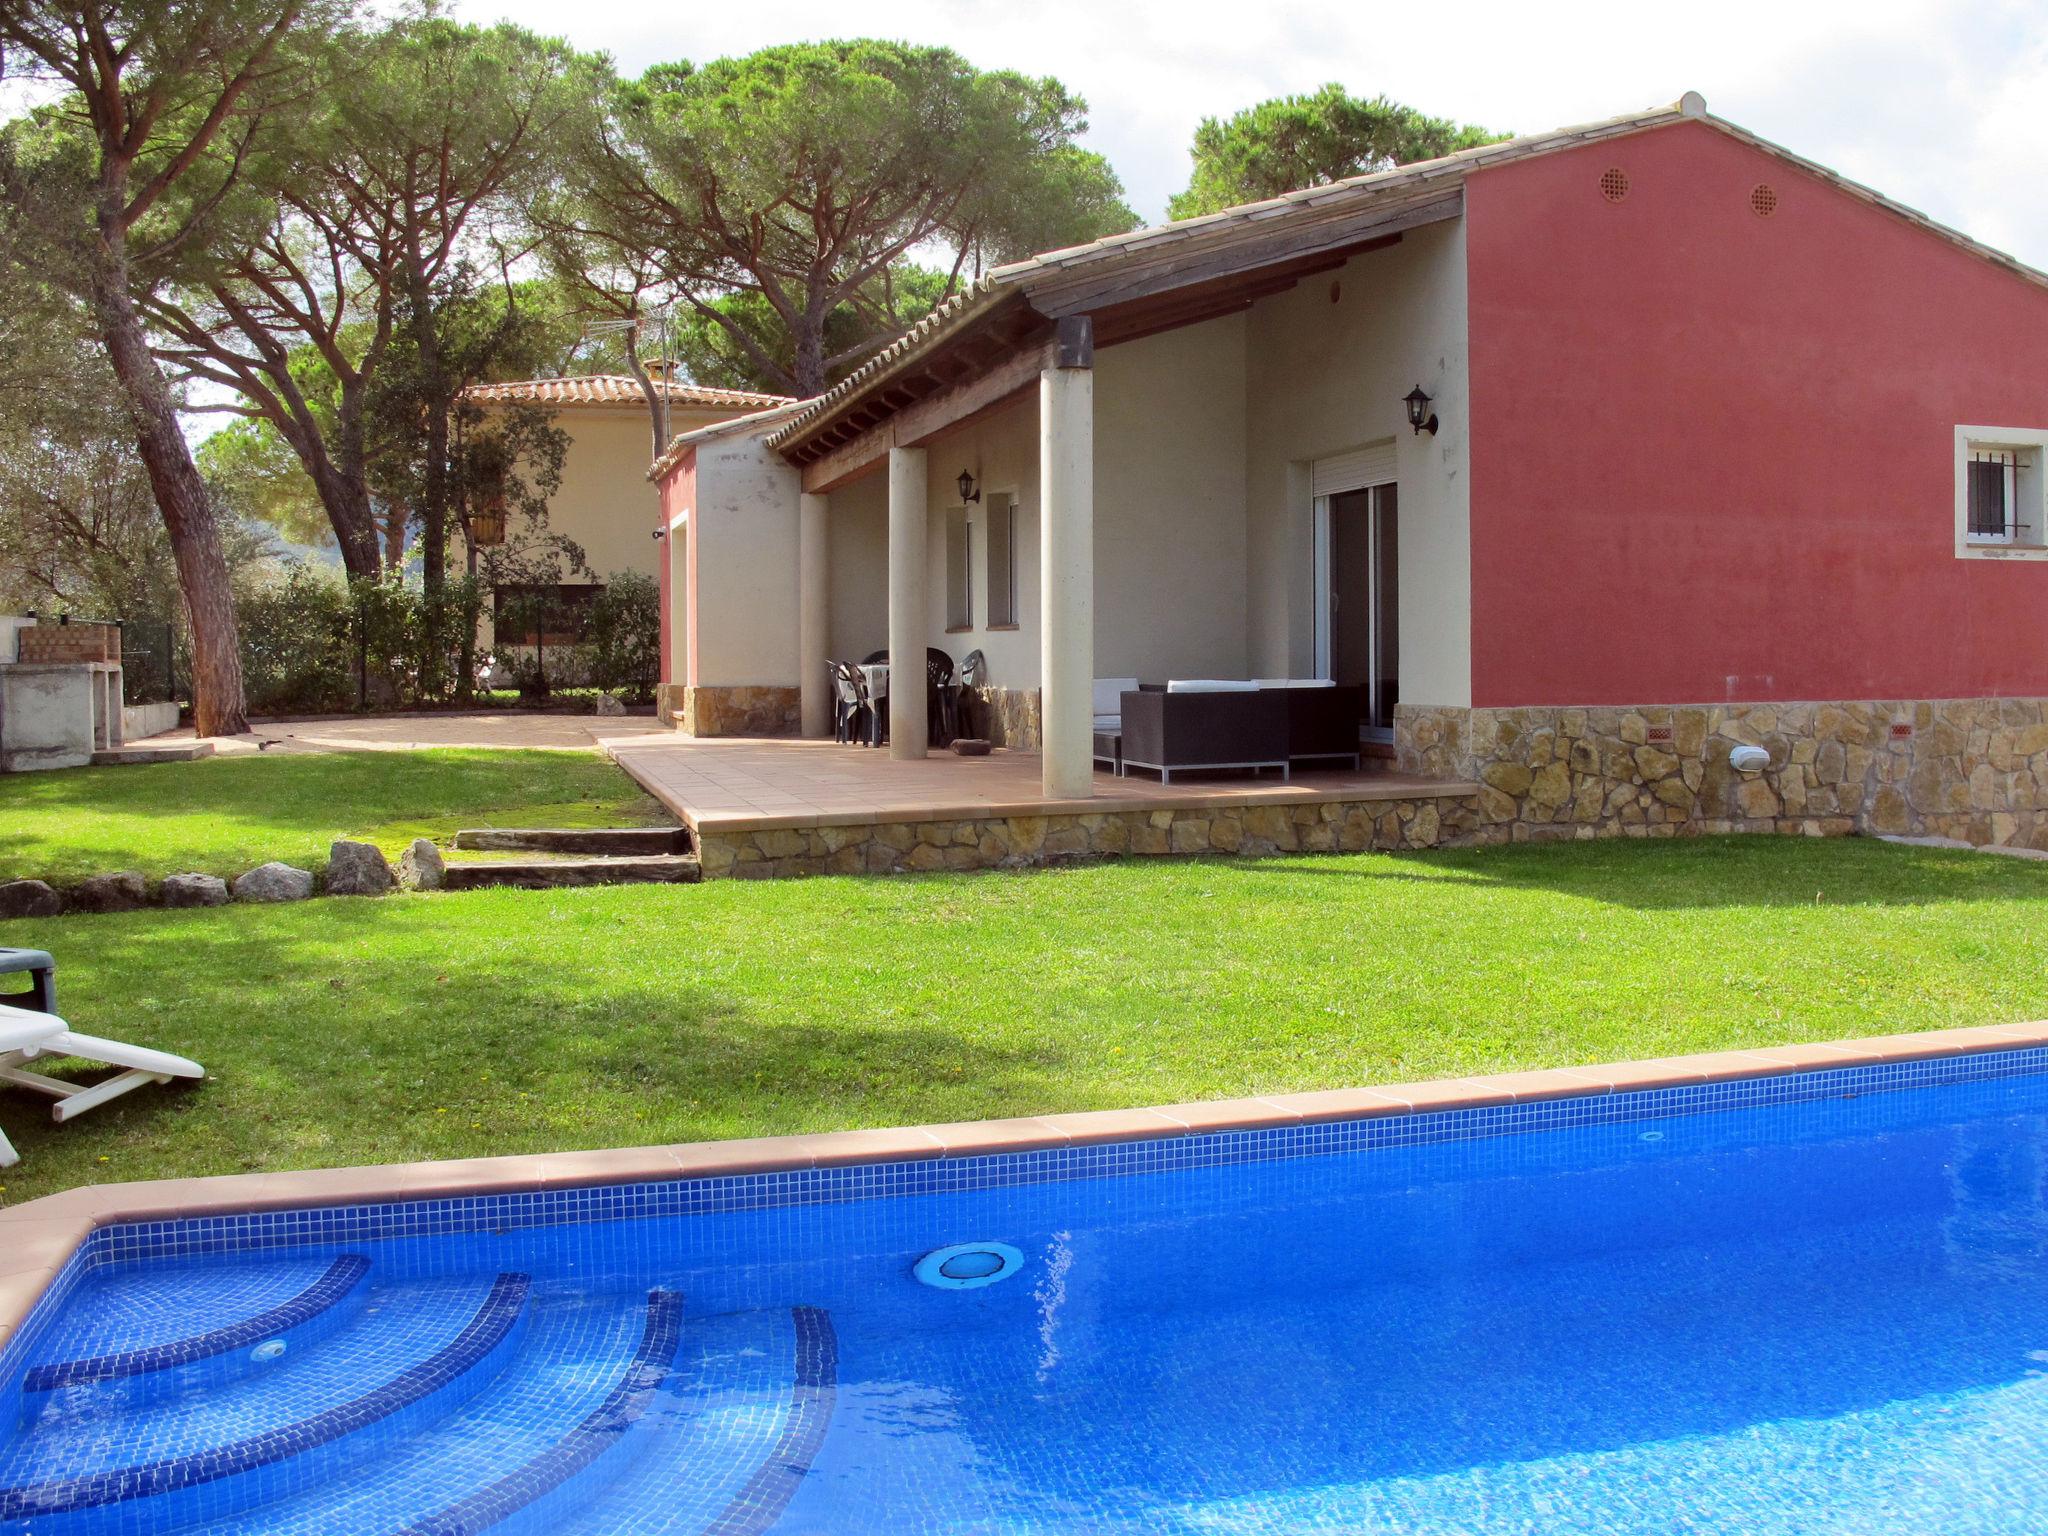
(810, 349)
(218, 705)
(347, 503)
(396, 516)
(433, 508)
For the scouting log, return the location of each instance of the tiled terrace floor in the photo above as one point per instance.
(745, 784)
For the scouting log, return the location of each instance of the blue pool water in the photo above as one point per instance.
(1804, 1305)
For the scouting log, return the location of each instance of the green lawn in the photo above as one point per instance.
(452, 1025)
(222, 815)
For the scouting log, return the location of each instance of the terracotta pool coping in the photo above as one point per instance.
(38, 1237)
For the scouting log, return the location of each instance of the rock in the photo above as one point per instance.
(273, 882)
(1674, 792)
(1551, 787)
(1888, 812)
(194, 891)
(1654, 765)
(607, 705)
(29, 898)
(420, 867)
(1689, 732)
(1508, 778)
(1756, 799)
(357, 869)
(123, 891)
(1423, 830)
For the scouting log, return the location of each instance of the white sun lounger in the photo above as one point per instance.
(25, 1035)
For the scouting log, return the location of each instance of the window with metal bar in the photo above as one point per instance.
(1994, 495)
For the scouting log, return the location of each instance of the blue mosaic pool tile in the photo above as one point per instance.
(398, 1220)
(761, 1502)
(599, 1432)
(341, 1279)
(462, 1364)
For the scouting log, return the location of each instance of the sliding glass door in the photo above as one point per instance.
(1359, 541)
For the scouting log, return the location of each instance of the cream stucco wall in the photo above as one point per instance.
(1325, 376)
(744, 530)
(1169, 518)
(857, 577)
(1001, 452)
(605, 502)
(1204, 559)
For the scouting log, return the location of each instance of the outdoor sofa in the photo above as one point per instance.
(1205, 724)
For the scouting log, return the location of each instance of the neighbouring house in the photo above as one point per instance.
(604, 504)
(1591, 456)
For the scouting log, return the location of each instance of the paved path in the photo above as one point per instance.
(406, 733)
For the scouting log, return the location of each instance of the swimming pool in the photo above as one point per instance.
(1803, 1303)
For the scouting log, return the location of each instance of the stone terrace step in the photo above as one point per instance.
(544, 874)
(603, 842)
(143, 752)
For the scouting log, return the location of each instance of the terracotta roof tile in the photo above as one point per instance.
(613, 389)
(758, 423)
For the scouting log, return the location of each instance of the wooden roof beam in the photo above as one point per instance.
(1082, 293)
(928, 418)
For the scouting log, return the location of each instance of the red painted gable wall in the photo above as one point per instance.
(678, 494)
(1713, 453)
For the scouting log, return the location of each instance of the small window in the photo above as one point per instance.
(1994, 494)
(1002, 562)
(556, 615)
(2001, 508)
(959, 588)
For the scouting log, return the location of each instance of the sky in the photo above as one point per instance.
(1943, 107)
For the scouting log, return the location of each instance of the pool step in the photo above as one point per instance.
(208, 1358)
(590, 1389)
(747, 1411)
(244, 1443)
(547, 874)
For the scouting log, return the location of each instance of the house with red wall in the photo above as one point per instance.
(1645, 475)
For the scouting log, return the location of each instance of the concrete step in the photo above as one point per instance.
(167, 752)
(547, 874)
(600, 842)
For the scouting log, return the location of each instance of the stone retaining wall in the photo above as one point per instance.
(1974, 769)
(740, 710)
(1006, 717)
(1007, 842)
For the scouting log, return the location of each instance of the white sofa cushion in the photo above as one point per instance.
(1211, 685)
(1109, 696)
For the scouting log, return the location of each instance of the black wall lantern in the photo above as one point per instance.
(967, 491)
(1420, 416)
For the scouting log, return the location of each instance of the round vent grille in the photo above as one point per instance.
(1763, 199)
(1614, 184)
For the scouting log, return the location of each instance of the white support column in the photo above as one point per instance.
(813, 613)
(907, 616)
(1066, 561)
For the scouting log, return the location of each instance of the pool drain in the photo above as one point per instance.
(969, 1266)
(268, 1350)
